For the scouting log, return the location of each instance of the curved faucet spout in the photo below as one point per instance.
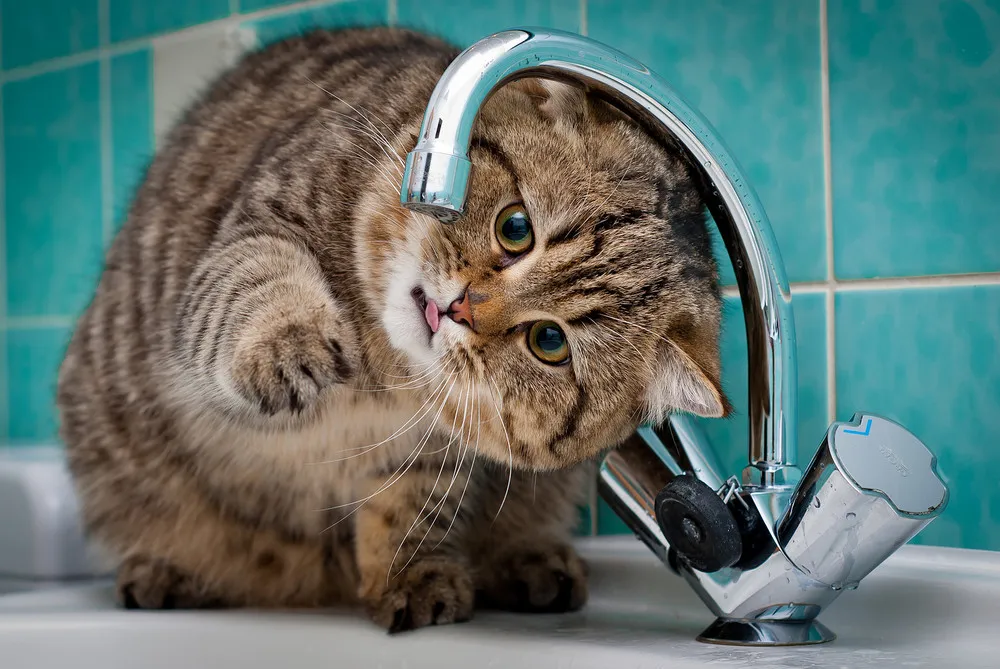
(437, 173)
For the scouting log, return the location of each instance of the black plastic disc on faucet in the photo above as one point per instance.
(698, 524)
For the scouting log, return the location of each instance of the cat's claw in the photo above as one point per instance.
(432, 592)
(286, 366)
(552, 580)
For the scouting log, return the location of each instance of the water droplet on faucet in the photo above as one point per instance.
(816, 502)
(851, 515)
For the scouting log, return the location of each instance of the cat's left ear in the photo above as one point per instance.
(681, 384)
(563, 100)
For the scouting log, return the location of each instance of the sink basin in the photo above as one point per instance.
(924, 607)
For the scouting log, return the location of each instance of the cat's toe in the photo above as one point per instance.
(542, 580)
(286, 366)
(431, 592)
(148, 583)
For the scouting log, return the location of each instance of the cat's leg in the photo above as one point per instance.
(191, 555)
(259, 331)
(524, 559)
(411, 547)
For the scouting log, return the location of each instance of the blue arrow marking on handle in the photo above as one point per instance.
(868, 428)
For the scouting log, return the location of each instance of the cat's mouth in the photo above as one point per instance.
(429, 309)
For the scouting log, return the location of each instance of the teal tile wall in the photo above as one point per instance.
(132, 19)
(464, 21)
(29, 35)
(911, 150)
(915, 94)
(33, 354)
(752, 69)
(52, 146)
(131, 83)
(941, 381)
(339, 15)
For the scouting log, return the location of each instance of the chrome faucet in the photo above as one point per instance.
(767, 551)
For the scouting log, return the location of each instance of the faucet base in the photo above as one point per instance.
(766, 633)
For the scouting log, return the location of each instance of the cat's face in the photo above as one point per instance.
(575, 299)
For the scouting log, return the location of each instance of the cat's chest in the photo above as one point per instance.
(356, 437)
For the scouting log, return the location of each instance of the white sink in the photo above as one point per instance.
(925, 607)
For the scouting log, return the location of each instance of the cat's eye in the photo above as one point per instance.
(548, 342)
(513, 230)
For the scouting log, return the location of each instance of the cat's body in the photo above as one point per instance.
(260, 410)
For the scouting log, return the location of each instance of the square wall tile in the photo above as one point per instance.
(752, 69)
(345, 14)
(463, 22)
(728, 436)
(131, 126)
(927, 358)
(33, 357)
(4, 387)
(914, 94)
(131, 19)
(36, 30)
(52, 156)
(608, 521)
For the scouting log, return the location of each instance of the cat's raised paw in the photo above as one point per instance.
(537, 580)
(148, 583)
(284, 366)
(431, 592)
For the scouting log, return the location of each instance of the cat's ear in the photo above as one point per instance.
(681, 384)
(564, 100)
(555, 99)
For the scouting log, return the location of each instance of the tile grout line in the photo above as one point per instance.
(170, 37)
(104, 105)
(831, 278)
(392, 12)
(886, 283)
(583, 18)
(234, 7)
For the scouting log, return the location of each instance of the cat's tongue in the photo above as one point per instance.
(432, 315)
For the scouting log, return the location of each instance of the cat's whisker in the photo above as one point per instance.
(597, 209)
(406, 427)
(510, 449)
(636, 325)
(397, 475)
(419, 517)
(619, 335)
(395, 162)
(472, 465)
(372, 161)
(353, 108)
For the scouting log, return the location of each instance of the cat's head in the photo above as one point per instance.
(576, 298)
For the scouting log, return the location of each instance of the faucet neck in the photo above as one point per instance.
(437, 171)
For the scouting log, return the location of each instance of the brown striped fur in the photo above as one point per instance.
(254, 412)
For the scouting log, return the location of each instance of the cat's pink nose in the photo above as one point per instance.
(460, 311)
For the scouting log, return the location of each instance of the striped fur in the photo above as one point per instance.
(253, 412)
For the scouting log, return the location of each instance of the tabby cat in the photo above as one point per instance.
(288, 391)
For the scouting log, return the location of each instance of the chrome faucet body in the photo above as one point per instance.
(793, 542)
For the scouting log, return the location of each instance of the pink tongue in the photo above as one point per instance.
(432, 316)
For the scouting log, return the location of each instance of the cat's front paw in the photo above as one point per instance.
(542, 579)
(429, 592)
(284, 363)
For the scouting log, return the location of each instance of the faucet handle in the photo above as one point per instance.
(885, 459)
(871, 486)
